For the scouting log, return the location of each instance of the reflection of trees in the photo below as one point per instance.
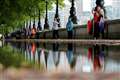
(21, 46)
(9, 58)
(35, 53)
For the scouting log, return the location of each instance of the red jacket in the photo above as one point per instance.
(96, 18)
(89, 26)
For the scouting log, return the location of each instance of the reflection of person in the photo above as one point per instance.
(55, 28)
(69, 27)
(96, 61)
(56, 54)
(96, 21)
(33, 33)
(71, 57)
(101, 56)
(96, 54)
(90, 53)
(33, 48)
(98, 57)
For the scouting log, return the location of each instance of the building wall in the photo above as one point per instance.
(116, 8)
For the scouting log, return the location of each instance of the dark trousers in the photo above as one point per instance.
(103, 35)
(55, 34)
(33, 36)
(96, 31)
(70, 34)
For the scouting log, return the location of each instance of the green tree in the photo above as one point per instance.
(13, 13)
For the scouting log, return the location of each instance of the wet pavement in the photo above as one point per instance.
(79, 41)
(64, 61)
(24, 74)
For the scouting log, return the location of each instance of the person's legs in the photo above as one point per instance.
(53, 34)
(96, 31)
(71, 34)
(103, 34)
(57, 34)
(68, 34)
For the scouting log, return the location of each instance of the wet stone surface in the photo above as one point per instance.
(60, 61)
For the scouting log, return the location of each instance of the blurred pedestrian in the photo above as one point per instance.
(33, 33)
(55, 29)
(69, 27)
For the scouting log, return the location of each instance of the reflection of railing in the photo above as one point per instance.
(69, 55)
(71, 59)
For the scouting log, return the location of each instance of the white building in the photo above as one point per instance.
(116, 8)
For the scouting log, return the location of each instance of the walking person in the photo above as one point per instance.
(102, 27)
(55, 29)
(97, 17)
(102, 22)
(69, 27)
(33, 33)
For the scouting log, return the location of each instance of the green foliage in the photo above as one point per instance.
(9, 58)
(13, 13)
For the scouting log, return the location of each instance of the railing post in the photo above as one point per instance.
(57, 12)
(29, 29)
(46, 25)
(73, 16)
(73, 13)
(39, 22)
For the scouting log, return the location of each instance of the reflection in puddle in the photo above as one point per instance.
(70, 57)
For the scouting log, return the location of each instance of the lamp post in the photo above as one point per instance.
(34, 20)
(39, 22)
(29, 28)
(100, 3)
(25, 29)
(30, 24)
(46, 25)
(57, 12)
(73, 13)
